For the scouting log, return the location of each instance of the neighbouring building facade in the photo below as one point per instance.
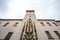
(29, 28)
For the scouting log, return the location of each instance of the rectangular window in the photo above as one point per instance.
(42, 23)
(15, 24)
(8, 36)
(49, 35)
(49, 24)
(54, 23)
(6, 24)
(58, 34)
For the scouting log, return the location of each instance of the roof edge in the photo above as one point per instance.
(30, 11)
(46, 19)
(11, 19)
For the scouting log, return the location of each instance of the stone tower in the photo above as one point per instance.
(29, 30)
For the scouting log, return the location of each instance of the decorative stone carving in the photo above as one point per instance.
(29, 31)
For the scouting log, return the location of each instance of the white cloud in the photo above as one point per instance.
(43, 8)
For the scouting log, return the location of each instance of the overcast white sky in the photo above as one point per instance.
(44, 9)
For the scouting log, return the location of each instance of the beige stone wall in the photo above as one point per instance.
(40, 29)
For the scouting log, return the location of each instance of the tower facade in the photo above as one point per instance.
(29, 28)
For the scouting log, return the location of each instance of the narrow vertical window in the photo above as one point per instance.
(54, 23)
(49, 35)
(57, 33)
(8, 36)
(6, 24)
(15, 24)
(49, 24)
(42, 23)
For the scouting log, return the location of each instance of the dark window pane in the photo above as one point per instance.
(49, 35)
(54, 23)
(42, 23)
(58, 34)
(15, 24)
(49, 24)
(6, 24)
(8, 36)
